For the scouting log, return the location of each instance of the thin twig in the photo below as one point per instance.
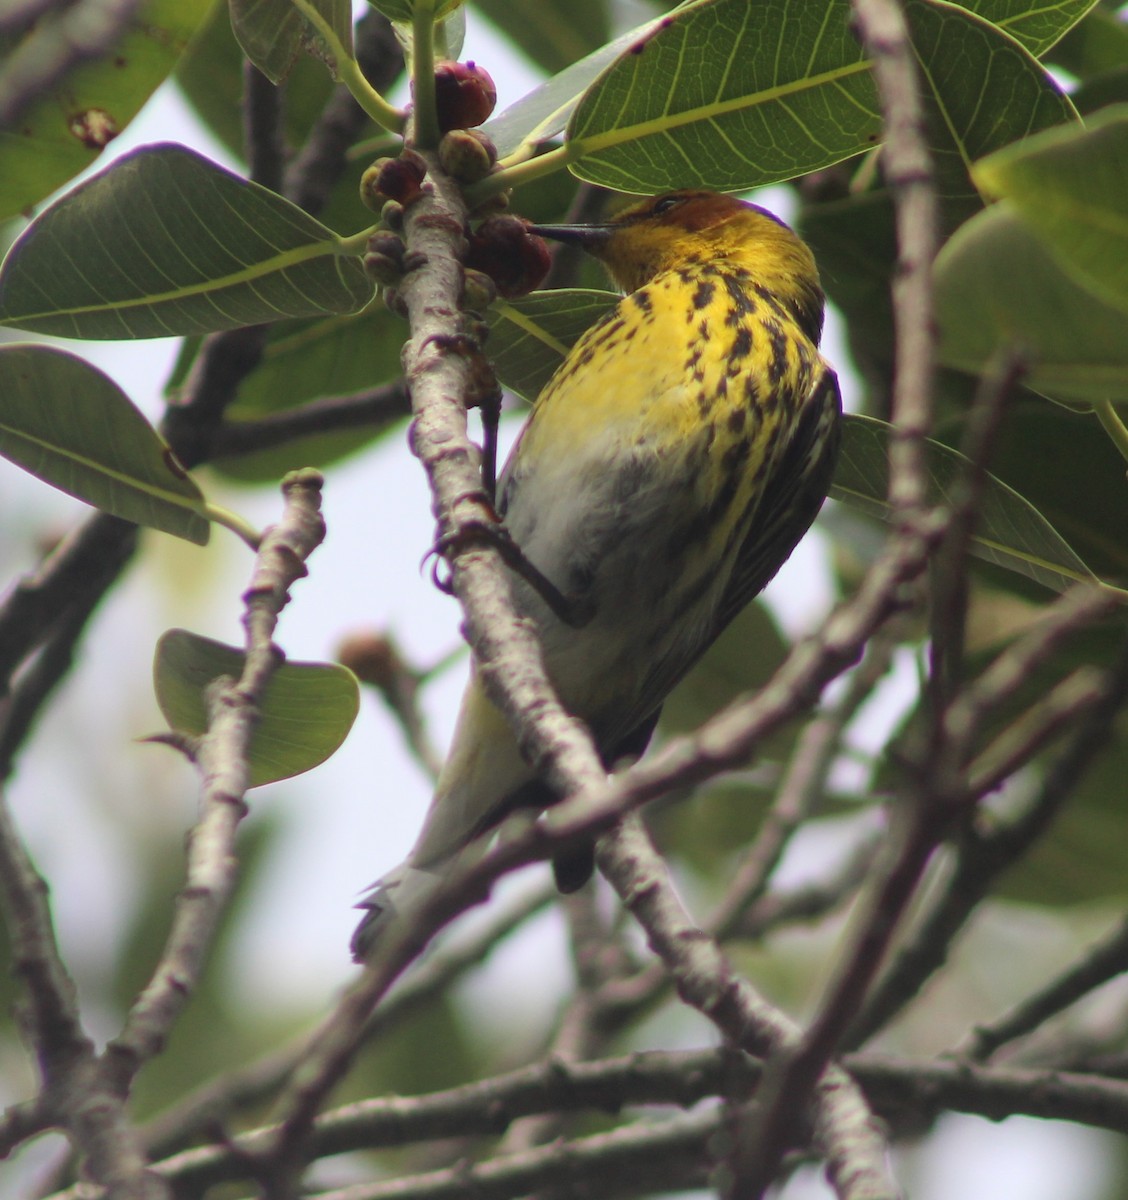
(262, 128)
(223, 756)
(982, 857)
(251, 1085)
(323, 159)
(844, 1129)
(1100, 963)
(441, 366)
(374, 409)
(903, 1091)
(908, 170)
(950, 583)
(43, 673)
(72, 1097)
(1013, 668)
(800, 789)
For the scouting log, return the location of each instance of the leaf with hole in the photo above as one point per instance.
(73, 427)
(65, 130)
(165, 243)
(306, 713)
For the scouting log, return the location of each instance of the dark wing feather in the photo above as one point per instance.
(799, 486)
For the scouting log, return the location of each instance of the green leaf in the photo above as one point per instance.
(309, 360)
(545, 111)
(743, 659)
(273, 33)
(1080, 860)
(529, 337)
(1070, 185)
(404, 10)
(211, 77)
(553, 33)
(730, 95)
(1035, 25)
(1096, 46)
(306, 713)
(73, 427)
(65, 131)
(997, 286)
(1010, 531)
(982, 91)
(165, 242)
(734, 96)
(1064, 465)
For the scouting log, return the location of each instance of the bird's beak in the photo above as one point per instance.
(589, 237)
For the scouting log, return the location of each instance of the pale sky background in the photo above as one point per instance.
(356, 816)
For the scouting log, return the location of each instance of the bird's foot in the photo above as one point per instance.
(571, 610)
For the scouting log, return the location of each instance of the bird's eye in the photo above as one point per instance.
(665, 204)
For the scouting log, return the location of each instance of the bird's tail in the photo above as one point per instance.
(391, 899)
(400, 896)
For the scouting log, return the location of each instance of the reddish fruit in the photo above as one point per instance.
(399, 179)
(515, 259)
(465, 95)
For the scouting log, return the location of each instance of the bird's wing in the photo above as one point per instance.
(792, 501)
(786, 510)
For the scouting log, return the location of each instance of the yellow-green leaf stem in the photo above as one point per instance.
(350, 74)
(426, 117)
(518, 170)
(1113, 426)
(238, 525)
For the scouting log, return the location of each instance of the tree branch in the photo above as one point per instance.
(223, 757)
(982, 857)
(1103, 961)
(705, 980)
(218, 1100)
(375, 408)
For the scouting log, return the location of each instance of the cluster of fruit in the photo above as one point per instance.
(501, 256)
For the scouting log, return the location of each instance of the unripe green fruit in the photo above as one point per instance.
(467, 155)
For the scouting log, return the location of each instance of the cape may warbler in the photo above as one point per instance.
(665, 473)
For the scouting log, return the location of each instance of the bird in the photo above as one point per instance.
(666, 471)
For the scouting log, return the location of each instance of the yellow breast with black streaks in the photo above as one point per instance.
(702, 369)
